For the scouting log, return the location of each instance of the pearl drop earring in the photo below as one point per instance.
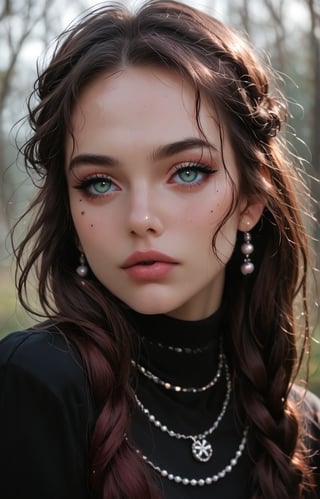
(82, 270)
(247, 249)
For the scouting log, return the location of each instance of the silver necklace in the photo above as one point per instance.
(171, 348)
(201, 448)
(201, 481)
(168, 386)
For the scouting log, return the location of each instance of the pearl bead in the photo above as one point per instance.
(247, 248)
(82, 270)
(247, 268)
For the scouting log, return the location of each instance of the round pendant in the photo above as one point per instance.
(202, 450)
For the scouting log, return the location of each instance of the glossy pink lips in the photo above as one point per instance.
(148, 265)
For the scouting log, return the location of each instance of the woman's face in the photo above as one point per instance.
(147, 192)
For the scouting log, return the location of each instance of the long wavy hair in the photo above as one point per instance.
(261, 338)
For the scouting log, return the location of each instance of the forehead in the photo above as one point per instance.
(140, 97)
(136, 110)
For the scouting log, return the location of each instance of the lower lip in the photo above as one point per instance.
(150, 272)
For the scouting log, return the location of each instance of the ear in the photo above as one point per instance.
(250, 213)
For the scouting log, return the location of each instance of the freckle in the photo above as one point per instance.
(211, 211)
(83, 212)
(91, 225)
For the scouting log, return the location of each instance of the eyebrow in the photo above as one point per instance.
(160, 152)
(92, 159)
(180, 146)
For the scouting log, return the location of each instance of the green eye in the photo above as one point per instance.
(97, 186)
(188, 175)
(101, 186)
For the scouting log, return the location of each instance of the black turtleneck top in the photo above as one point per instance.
(47, 416)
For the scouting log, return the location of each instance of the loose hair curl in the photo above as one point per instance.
(261, 334)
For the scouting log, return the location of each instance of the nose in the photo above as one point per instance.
(144, 217)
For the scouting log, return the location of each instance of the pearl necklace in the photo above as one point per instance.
(201, 448)
(200, 481)
(168, 386)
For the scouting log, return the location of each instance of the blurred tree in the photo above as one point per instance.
(288, 31)
(6, 10)
(245, 16)
(18, 21)
(314, 10)
(276, 13)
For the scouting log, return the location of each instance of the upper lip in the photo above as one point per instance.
(139, 257)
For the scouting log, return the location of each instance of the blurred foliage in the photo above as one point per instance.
(12, 315)
(314, 373)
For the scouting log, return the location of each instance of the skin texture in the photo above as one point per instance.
(126, 194)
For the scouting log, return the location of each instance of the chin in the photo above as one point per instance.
(154, 308)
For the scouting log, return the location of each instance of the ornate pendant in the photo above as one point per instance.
(201, 450)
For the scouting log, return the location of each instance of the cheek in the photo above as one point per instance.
(83, 221)
(226, 239)
(207, 215)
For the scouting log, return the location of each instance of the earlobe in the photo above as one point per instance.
(250, 216)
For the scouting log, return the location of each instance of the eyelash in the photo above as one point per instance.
(87, 183)
(193, 167)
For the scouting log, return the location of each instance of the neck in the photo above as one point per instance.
(183, 353)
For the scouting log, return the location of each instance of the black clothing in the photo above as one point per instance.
(187, 413)
(45, 418)
(46, 412)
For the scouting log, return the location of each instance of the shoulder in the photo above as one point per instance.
(46, 416)
(44, 356)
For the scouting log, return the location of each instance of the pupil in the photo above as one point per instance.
(101, 186)
(189, 175)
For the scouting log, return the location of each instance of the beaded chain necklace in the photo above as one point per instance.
(177, 388)
(209, 480)
(201, 448)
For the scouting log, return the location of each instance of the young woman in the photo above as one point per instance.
(168, 248)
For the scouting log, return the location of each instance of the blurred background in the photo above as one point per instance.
(285, 32)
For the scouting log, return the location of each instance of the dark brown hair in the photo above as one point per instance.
(262, 338)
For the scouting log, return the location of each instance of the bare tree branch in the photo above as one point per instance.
(245, 16)
(29, 25)
(15, 43)
(7, 9)
(276, 14)
(315, 50)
